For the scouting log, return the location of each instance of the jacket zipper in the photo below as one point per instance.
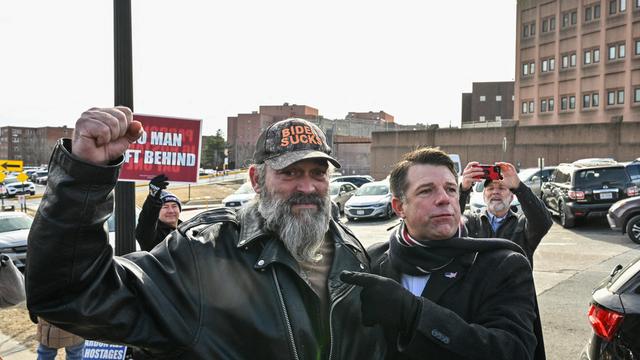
(331, 319)
(284, 311)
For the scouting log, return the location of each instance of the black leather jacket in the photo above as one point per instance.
(217, 288)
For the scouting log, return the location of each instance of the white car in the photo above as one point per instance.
(14, 230)
(243, 195)
(372, 200)
(19, 188)
(476, 200)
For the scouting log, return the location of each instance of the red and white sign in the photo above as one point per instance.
(169, 146)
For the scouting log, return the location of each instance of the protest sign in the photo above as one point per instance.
(98, 350)
(169, 146)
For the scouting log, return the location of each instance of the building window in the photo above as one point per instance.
(596, 11)
(588, 14)
(543, 105)
(548, 24)
(498, 97)
(638, 3)
(483, 98)
(616, 6)
(637, 47)
(574, 17)
(532, 68)
(563, 103)
(481, 119)
(498, 117)
(586, 101)
(545, 66)
(572, 60)
(529, 29)
(525, 69)
(525, 107)
(545, 25)
(531, 106)
(620, 94)
(636, 91)
(572, 102)
(565, 61)
(551, 104)
(595, 100)
(587, 57)
(591, 56)
(611, 97)
(546, 105)
(616, 51)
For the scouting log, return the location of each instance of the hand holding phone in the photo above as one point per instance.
(491, 172)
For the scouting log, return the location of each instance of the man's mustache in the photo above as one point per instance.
(301, 198)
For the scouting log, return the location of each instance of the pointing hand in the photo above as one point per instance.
(384, 301)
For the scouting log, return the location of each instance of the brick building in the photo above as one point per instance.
(577, 61)
(31, 145)
(488, 104)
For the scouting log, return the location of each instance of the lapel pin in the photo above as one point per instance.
(451, 275)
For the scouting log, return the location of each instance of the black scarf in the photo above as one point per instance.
(421, 257)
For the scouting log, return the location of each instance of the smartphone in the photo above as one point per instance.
(491, 172)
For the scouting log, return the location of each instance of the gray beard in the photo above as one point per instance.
(497, 207)
(302, 233)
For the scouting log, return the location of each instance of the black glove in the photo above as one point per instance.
(158, 184)
(384, 301)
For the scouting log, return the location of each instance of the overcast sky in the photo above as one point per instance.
(213, 59)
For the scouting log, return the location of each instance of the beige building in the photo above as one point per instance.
(577, 61)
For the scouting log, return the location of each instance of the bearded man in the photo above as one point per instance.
(498, 220)
(263, 285)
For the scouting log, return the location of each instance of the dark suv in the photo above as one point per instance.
(586, 188)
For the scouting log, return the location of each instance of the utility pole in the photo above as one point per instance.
(125, 210)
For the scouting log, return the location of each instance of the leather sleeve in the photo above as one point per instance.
(538, 218)
(75, 282)
(502, 328)
(147, 227)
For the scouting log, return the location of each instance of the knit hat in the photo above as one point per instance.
(166, 197)
(292, 140)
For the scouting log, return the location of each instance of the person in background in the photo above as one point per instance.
(160, 214)
(497, 219)
(438, 295)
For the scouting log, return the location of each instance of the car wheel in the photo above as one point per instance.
(564, 220)
(633, 229)
(389, 212)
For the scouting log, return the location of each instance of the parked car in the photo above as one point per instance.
(243, 195)
(19, 188)
(614, 314)
(535, 177)
(38, 174)
(357, 180)
(372, 200)
(624, 216)
(14, 230)
(633, 169)
(340, 192)
(477, 204)
(582, 189)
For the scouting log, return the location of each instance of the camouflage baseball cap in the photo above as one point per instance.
(289, 141)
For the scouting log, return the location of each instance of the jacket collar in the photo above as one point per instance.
(251, 226)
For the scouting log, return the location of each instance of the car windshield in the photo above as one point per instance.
(524, 174)
(246, 188)
(14, 223)
(634, 171)
(367, 190)
(598, 177)
(334, 189)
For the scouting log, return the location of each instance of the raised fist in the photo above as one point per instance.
(158, 184)
(103, 135)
